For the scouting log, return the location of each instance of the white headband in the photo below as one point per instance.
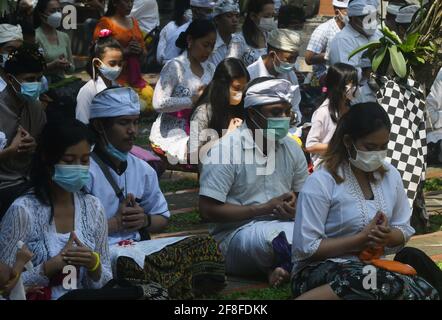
(269, 92)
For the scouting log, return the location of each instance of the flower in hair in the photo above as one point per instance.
(104, 33)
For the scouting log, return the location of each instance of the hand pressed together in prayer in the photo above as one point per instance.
(284, 206)
(134, 48)
(23, 142)
(198, 94)
(234, 124)
(130, 216)
(377, 233)
(77, 254)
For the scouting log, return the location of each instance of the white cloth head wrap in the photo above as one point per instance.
(340, 3)
(269, 92)
(393, 8)
(284, 39)
(406, 14)
(115, 102)
(225, 6)
(202, 3)
(362, 7)
(9, 32)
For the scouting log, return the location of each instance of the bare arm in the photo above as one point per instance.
(312, 58)
(319, 148)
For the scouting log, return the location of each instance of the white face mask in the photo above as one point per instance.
(268, 24)
(235, 98)
(352, 92)
(110, 73)
(54, 20)
(188, 15)
(368, 161)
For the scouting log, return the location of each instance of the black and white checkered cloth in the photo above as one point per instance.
(407, 149)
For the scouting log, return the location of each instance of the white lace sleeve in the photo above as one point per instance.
(16, 226)
(163, 97)
(101, 245)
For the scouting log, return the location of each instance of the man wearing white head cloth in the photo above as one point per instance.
(283, 51)
(320, 39)
(114, 115)
(361, 29)
(11, 38)
(201, 9)
(226, 17)
(134, 204)
(249, 182)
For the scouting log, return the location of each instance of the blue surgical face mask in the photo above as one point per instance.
(71, 178)
(117, 154)
(283, 67)
(277, 128)
(31, 90)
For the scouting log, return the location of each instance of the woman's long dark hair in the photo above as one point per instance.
(249, 29)
(54, 140)
(360, 121)
(179, 8)
(198, 28)
(338, 76)
(111, 8)
(217, 93)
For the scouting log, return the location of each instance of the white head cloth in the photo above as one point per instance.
(9, 32)
(269, 92)
(115, 102)
(225, 6)
(406, 14)
(202, 3)
(362, 7)
(340, 3)
(284, 39)
(393, 8)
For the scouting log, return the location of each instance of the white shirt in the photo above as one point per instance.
(173, 92)
(236, 182)
(146, 12)
(140, 180)
(239, 49)
(172, 51)
(85, 97)
(28, 219)
(165, 35)
(434, 108)
(320, 43)
(322, 129)
(219, 51)
(341, 46)
(258, 69)
(326, 209)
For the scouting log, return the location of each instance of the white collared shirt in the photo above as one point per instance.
(238, 182)
(258, 69)
(219, 51)
(434, 107)
(146, 13)
(172, 51)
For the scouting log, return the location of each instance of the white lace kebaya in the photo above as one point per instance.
(28, 220)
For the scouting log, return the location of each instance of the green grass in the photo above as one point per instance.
(435, 223)
(173, 186)
(282, 293)
(439, 264)
(184, 221)
(434, 184)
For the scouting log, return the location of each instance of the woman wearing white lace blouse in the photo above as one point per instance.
(60, 224)
(354, 203)
(251, 43)
(181, 83)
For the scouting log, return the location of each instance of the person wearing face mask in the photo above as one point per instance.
(200, 9)
(342, 87)
(105, 66)
(226, 18)
(59, 223)
(21, 120)
(126, 30)
(181, 15)
(56, 45)
(220, 107)
(181, 83)
(361, 29)
(280, 62)
(11, 38)
(354, 202)
(129, 190)
(320, 39)
(251, 43)
(250, 195)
